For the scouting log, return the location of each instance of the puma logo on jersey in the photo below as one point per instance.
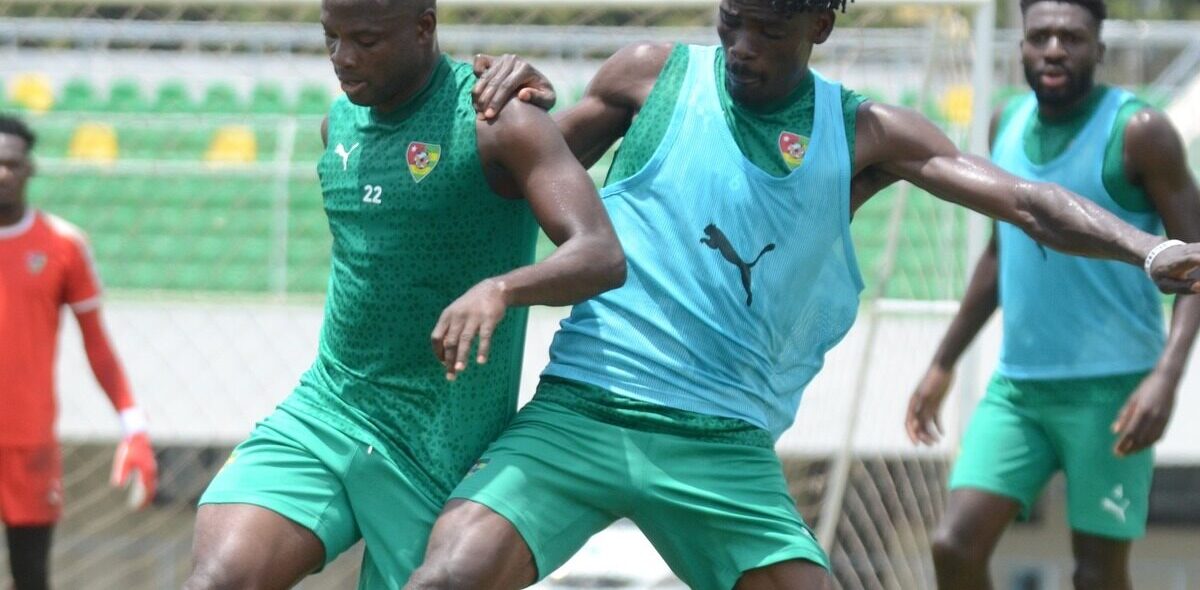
(717, 241)
(341, 151)
(1116, 503)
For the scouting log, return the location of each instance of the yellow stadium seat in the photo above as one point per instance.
(232, 144)
(956, 104)
(96, 142)
(32, 92)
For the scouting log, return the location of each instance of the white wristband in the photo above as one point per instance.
(1154, 252)
(133, 421)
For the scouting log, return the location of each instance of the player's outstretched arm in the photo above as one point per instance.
(134, 461)
(905, 144)
(1156, 161)
(525, 142)
(604, 113)
(923, 421)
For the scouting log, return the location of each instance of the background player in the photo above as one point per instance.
(373, 439)
(45, 264)
(1085, 384)
(663, 398)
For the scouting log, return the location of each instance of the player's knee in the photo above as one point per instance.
(209, 573)
(952, 549)
(444, 575)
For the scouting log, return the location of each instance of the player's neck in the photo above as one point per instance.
(1061, 113)
(398, 102)
(12, 214)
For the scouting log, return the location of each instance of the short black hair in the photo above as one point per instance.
(787, 8)
(10, 125)
(1097, 7)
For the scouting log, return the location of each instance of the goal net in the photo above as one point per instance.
(182, 136)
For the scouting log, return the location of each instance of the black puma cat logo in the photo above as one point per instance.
(717, 241)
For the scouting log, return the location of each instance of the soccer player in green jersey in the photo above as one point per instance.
(732, 193)
(1086, 380)
(428, 238)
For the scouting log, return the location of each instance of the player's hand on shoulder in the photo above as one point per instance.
(1143, 419)
(134, 467)
(923, 420)
(473, 315)
(506, 77)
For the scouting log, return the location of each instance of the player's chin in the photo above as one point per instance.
(362, 97)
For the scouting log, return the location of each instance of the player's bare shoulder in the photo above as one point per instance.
(629, 75)
(1150, 130)
(515, 132)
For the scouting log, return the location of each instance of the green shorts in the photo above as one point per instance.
(712, 508)
(335, 486)
(1022, 432)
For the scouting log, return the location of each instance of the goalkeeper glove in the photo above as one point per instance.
(134, 464)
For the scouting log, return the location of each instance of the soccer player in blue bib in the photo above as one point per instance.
(1086, 380)
(732, 195)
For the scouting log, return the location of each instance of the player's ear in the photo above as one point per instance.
(1103, 49)
(427, 25)
(822, 26)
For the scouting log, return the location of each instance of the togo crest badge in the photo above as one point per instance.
(792, 147)
(422, 159)
(35, 262)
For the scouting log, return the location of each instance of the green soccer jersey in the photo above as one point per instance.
(415, 225)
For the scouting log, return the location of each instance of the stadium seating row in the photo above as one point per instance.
(248, 139)
(35, 92)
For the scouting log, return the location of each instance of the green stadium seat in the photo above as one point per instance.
(78, 94)
(173, 97)
(267, 98)
(313, 99)
(220, 98)
(125, 96)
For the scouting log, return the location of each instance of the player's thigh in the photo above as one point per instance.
(243, 545)
(1107, 495)
(31, 485)
(287, 477)
(1005, 450)
(718, 510)
(395, 513)
(556, 476)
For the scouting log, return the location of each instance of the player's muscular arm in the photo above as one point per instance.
(903, 143)
(1155, 161)
(611, 102)
(525, 142)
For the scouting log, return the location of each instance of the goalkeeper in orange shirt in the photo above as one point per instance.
(45, 263)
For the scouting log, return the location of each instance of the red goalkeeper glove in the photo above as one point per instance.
(134, 464)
